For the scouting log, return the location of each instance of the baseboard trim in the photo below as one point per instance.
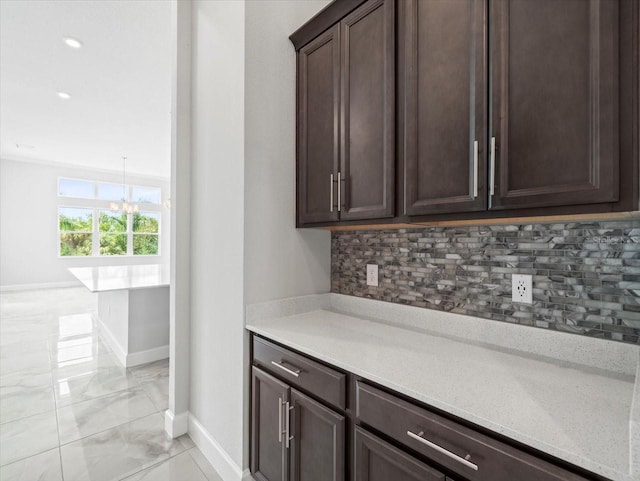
(150, 355)
(110, 340)
(134, 358)
(246, 475)
(176, 424)
(45, 285)
(215, 454)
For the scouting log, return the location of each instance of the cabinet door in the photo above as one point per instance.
(444, 105)
(269, 456)
(318, 136)
(377, 460)
(317, 447)
(554, 74)
(367, 112)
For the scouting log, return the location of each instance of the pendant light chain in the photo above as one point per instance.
(126, 207)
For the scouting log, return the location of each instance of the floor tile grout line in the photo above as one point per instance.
(112, 427)
(29, 457)
(196, 462)
(102, 396)
(55, 405)
(185, 450)
(29, 416)
(137, 385)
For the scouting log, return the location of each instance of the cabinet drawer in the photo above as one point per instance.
(377, 460)
(473, 455)
(326, 383)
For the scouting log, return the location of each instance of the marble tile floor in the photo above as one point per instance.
(69, 411)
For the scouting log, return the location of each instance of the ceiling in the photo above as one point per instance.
(119, 82)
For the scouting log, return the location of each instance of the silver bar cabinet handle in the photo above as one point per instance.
(331, 199)
(339, 192)
(287, 424)
(492, 166)
(475, 169)
(418, 437)
(280, 419)
(295, 373)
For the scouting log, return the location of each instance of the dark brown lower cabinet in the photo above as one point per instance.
(298, 436)
(377, 460)
(317, 449)
(269, 460)
(294, 437)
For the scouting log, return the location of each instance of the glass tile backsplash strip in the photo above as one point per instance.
(586, 276)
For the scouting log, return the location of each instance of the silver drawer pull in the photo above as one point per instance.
(492, 167)
(475, 169)
(418, 437)
(289, 437)
(331, 194)
(280, 432)
(339, 192)
(295, 373)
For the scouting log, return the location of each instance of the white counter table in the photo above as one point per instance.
(133, 309)
(566, 395)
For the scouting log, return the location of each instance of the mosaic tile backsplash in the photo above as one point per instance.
(586, 276)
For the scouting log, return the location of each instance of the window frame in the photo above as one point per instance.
(59, 207)
(97, 205)
(157, 234)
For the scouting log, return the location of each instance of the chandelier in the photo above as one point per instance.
(125, 206)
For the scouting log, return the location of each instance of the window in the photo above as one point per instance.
(115, 192)
(113, 233)
(145, 195)
(145, 233)
(88, 226)
(81, 189)
(75, 228)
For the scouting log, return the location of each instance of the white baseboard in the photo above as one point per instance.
(215, 454)
(246, 475)
(45, 285)
(133, 358)
(150, 355)
(176, 425)
(110, 340)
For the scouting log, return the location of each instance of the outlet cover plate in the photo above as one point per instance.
(372, 275)
(521, 289)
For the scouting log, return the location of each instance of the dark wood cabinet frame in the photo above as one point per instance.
(625, 187)
(346, 423)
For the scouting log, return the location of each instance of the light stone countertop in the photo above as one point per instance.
(114, 278)
(567, 395)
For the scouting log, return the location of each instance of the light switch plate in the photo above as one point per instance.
(372, 275)
(521, 289)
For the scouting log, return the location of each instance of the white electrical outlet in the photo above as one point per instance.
(521, 289)
(372, 275)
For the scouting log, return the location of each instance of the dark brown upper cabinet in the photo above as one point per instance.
(555, 102)
(443, 96)
(318, 133)
(505, 108)
(346, 118)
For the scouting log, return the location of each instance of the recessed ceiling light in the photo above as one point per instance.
(73, 42)
(64, 95)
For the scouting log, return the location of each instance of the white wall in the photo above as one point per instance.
(28, 223)
(217, 210)
(244, 245)
(280, 260)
